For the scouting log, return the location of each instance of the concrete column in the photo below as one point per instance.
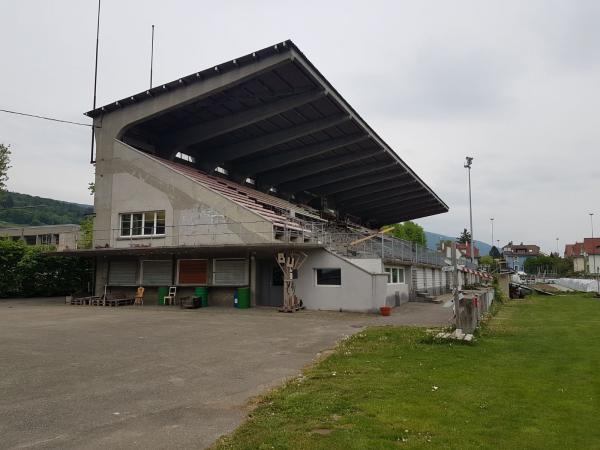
(101, 275)
(253, 278)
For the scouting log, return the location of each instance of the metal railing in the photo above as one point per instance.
(384, 247)
(223, 232)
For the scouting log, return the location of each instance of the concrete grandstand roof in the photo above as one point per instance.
(286, 127)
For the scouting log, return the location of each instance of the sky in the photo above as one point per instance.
(514, 84)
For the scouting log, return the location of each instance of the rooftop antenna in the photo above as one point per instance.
(92, 161)
(151, 56)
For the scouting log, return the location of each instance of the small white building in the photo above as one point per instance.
(63, 237)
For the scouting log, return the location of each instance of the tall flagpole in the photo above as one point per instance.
(151, 56)
(92, 161)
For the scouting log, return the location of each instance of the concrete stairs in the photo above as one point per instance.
(425, 297)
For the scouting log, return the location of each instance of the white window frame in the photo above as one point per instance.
(142, 235)
(395, 270)
(192, 284)
(328, 285)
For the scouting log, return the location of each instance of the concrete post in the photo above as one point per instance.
(455, 285)
(253, 279)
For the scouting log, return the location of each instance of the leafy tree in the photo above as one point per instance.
(561, 266)
(494, 252)
(486, 260)
(410, 231)
(11, 253)
(4, 166)
(45, 211)
(87, 229)
(464, 238)
(31, 272)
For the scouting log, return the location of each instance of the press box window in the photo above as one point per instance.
(150, 223)
(329, 277)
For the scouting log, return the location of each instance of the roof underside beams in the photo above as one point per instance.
(287, 128)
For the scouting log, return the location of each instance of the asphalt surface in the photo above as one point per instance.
(154, 377)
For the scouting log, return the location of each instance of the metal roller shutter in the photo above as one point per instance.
(157, 272)
(230, 272)
(123, 273)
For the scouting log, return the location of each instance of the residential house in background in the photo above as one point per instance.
(465, 250)
(516, 255)
(591, 248)
(585, 255)
(575, 252)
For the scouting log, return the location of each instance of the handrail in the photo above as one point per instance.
(223, 231)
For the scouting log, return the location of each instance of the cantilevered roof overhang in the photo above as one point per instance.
(286, 127)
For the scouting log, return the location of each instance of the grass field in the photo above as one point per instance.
(532, 381)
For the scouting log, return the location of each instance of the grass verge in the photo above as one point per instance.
(531, 382)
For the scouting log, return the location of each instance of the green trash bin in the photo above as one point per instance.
(243, 297)
(202, 294)
(162, 291)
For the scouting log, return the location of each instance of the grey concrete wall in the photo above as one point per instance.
(373, 265)
(360, 289)
(134, 182)
(579, 264)
(112, 126)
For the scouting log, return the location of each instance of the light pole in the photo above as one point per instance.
(468, 167)
(492, 220)
(556, 246)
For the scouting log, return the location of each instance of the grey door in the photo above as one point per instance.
(270, 283)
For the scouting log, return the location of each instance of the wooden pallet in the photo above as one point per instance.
(101, 301)
(291, 309)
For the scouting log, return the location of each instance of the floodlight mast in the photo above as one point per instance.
(468, 167)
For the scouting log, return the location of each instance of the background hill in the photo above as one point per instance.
(23, 209)
(434, 238)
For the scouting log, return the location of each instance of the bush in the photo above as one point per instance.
(26, 271)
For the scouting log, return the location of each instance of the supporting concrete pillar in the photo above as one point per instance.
(101, 275)
(253, 278)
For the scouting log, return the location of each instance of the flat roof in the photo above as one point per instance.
(41, 228)
(289, 131)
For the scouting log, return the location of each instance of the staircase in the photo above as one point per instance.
(423, 296)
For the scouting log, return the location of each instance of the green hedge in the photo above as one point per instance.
(26, 271)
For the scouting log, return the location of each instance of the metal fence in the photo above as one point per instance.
(298, 232)
(382, 246)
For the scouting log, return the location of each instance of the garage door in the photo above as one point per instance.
(157, 272)
(230, 272)
(193, 271)
(123, 273)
